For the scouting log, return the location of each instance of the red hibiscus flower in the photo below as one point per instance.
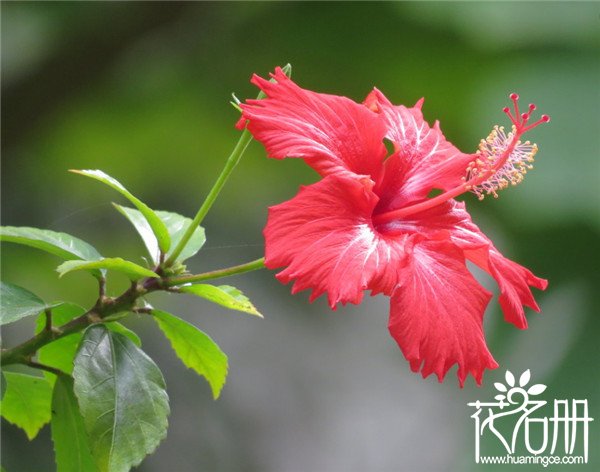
(369, 224)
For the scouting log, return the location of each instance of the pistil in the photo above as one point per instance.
(502, 160)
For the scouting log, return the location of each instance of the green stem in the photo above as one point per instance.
(216, 274)
(48, 324)
(232, 161)
(47, 368)
(22, 353)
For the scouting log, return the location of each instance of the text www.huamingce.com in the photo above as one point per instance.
(542, 460)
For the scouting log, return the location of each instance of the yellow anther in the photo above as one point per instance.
(491, 158)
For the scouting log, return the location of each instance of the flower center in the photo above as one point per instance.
(502, 160)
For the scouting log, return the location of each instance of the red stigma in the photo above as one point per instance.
(519, 120)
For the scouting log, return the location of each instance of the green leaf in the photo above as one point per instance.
(17, 302)
(119, 328)
(26, 402)
(60, 353)
(71, 443)
(195, 349)
(225, 295)
(176, 225)
(122, 398)
(158, 227)
(131, 269)
(60, 244)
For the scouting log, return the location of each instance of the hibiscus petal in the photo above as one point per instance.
(437, 311)
(428, 159)
(332, 133)
(325, 239)
(513, 279)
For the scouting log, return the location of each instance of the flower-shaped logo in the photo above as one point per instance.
(511, 388)
(518, 410)
(513, 401)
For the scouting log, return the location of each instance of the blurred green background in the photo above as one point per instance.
(141, 91)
